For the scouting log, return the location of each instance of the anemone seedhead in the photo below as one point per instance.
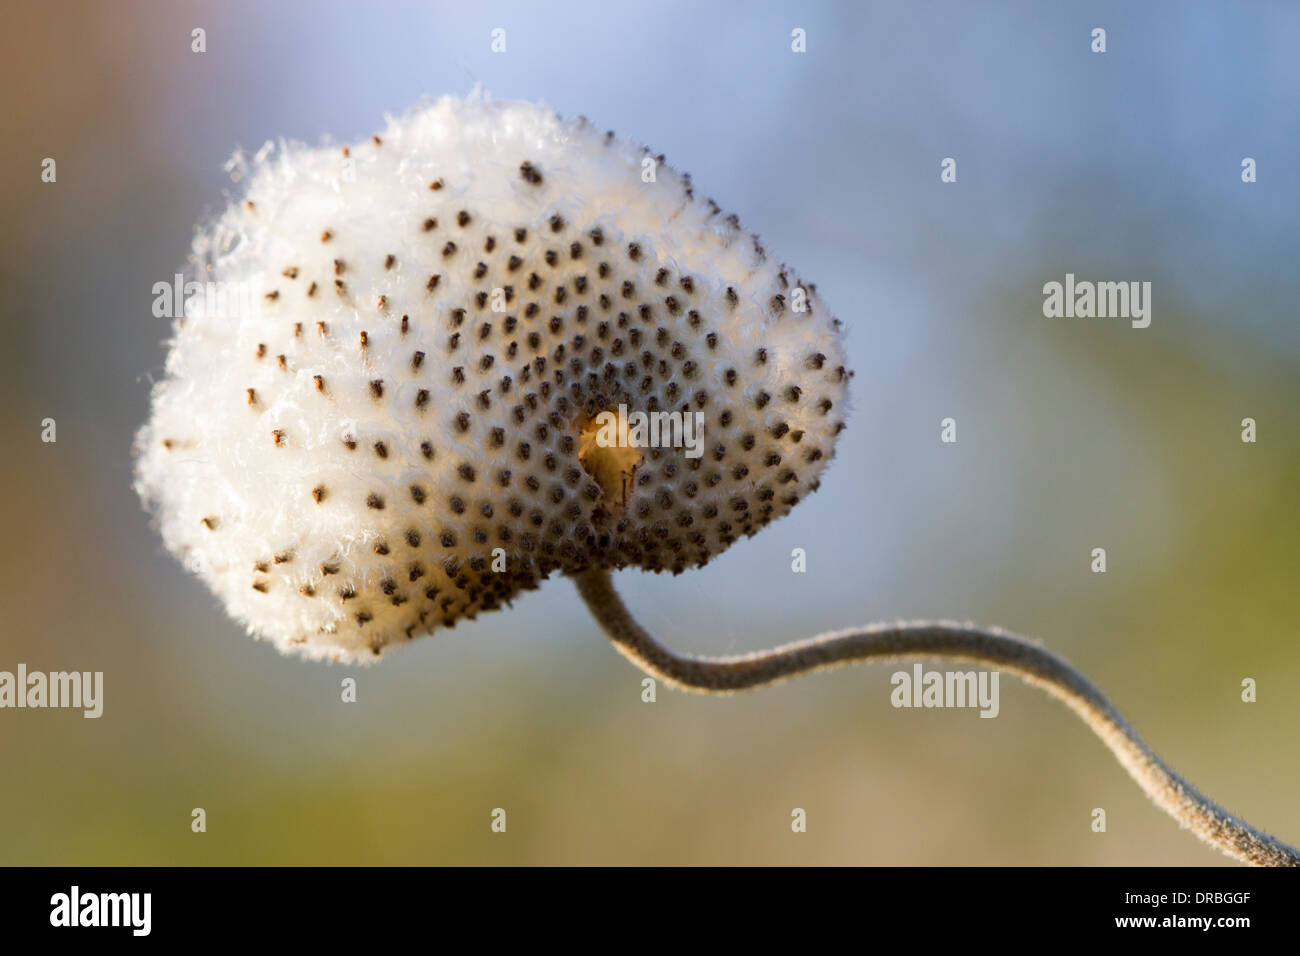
(397, 429)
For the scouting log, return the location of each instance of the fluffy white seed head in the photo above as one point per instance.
(395, 429)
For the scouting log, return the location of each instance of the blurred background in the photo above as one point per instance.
(1072, 434)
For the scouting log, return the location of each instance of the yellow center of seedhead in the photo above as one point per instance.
(609, 462)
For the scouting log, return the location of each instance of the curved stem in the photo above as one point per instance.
(989, 647)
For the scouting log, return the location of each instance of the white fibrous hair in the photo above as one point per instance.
(393, 429)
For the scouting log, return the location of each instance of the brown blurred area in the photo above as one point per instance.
(1071, 436)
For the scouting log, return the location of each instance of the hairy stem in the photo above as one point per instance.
(989, 647)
